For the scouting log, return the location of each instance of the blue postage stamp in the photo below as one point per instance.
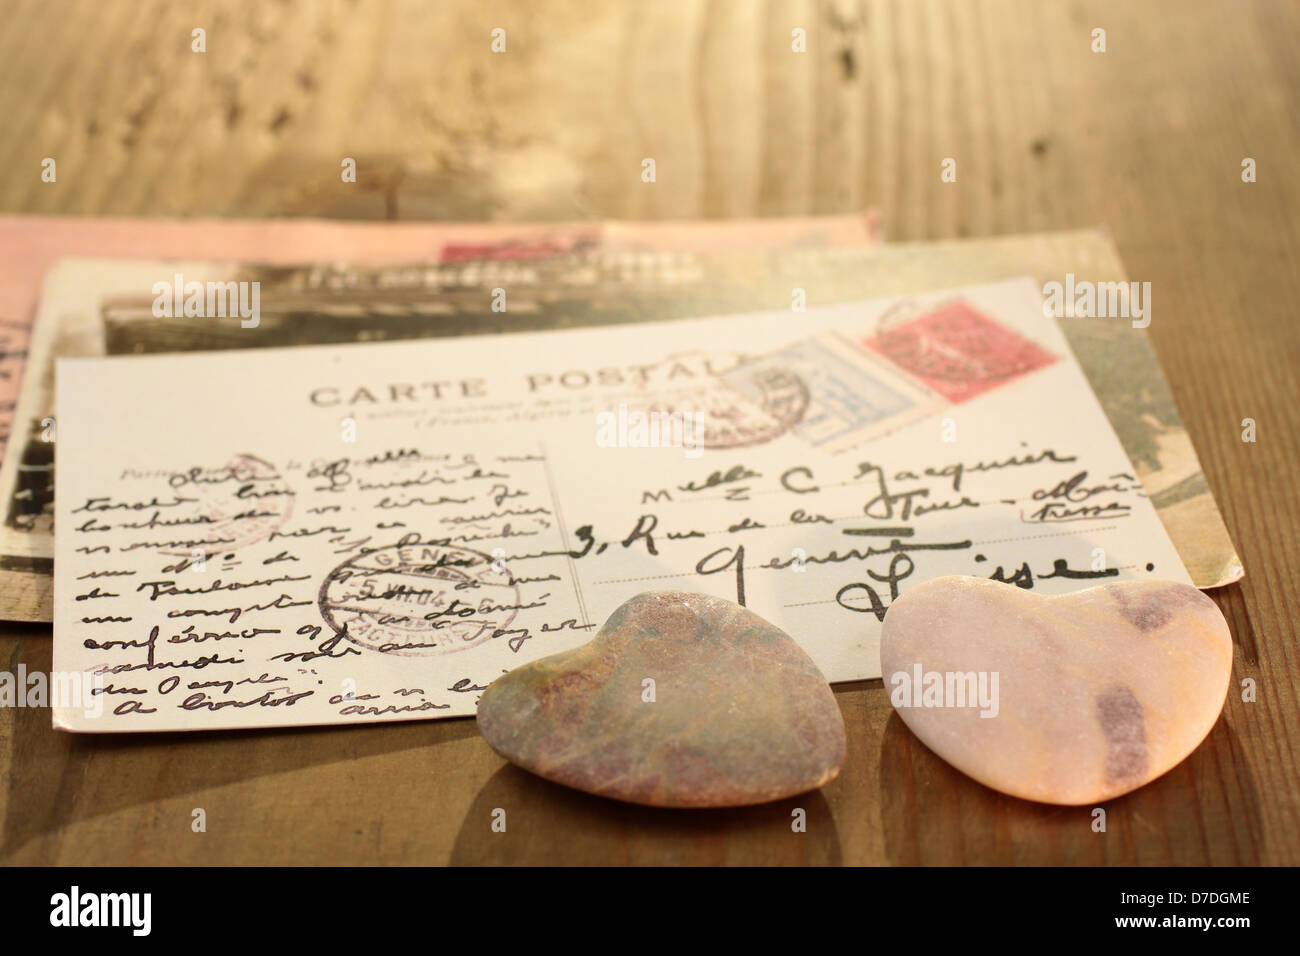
(852, 395)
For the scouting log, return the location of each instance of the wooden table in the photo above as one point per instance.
(1147, 137)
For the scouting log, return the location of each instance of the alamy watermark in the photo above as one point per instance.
(59, 689)
(208, 300)
(922, 688)
(133, 911)
(635, 428)
(1098, 300)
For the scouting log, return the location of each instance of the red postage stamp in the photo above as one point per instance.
(959, 352)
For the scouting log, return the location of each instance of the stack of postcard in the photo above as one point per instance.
(266, 474)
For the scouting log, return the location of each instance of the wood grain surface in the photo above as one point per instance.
(1147, 138)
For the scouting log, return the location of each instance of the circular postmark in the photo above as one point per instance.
(761, 401)
(750, 401)
(419, 598)
(229, 507)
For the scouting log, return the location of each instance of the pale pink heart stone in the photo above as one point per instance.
(1096, 693)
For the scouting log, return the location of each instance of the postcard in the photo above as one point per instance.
(106, 308)
(31, 244)
(346, 534)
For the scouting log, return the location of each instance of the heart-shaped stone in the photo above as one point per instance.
(1071, 699)
(681, 700)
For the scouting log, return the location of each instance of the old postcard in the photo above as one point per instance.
(98, 308)
(31, 244)
(375, 532)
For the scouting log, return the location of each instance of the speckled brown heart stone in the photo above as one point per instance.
(737, 713)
